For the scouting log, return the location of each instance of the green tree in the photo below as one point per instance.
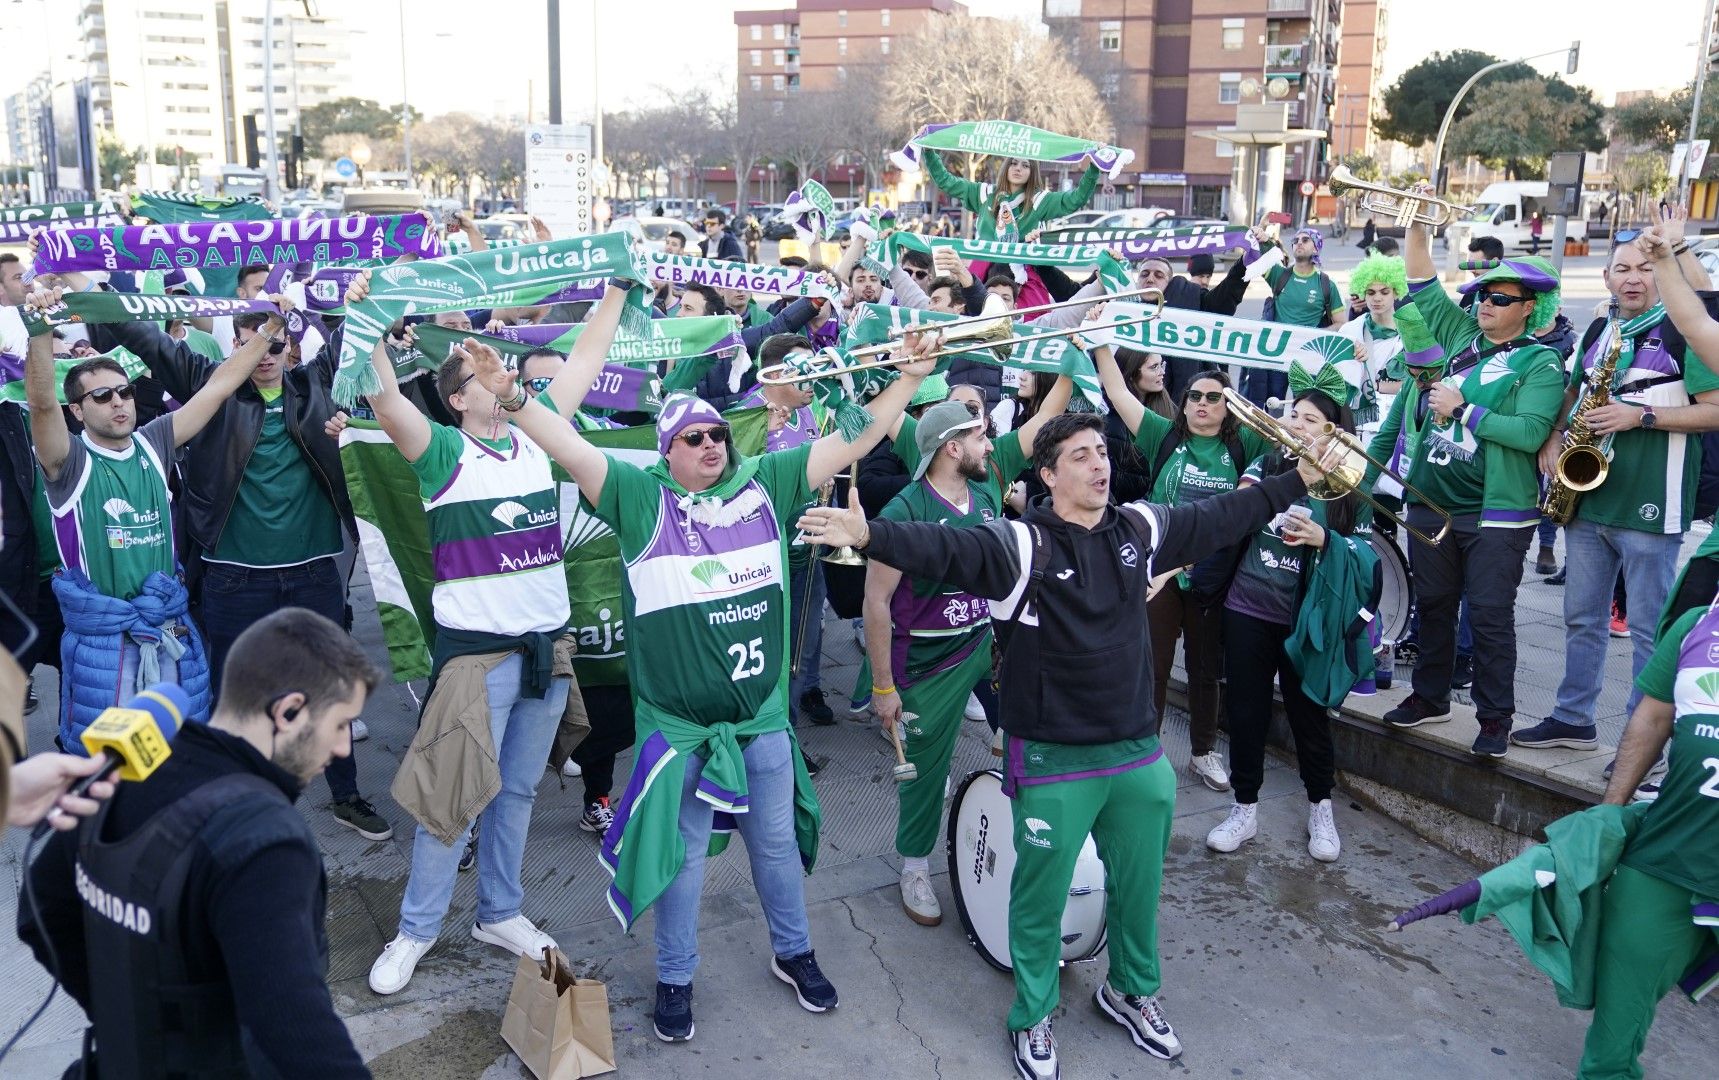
(1516, 126)
(1364, 167)
(118, 165)
(350, 116)
(1659, 121)
(1415, 104)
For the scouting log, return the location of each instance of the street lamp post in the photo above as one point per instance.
(405, 99)
(1450, 113)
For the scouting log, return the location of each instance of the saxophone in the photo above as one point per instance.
(1586, 457)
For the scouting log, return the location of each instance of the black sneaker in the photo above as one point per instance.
(1558, 578)
(1550, 733)
(1035, 1052)
(598, 816)
(801, 972)
(1415, 711)
(812, 708)
(359, 816)
(31, 701)
(673, 1015)
(1493, 740)
(1462, 672)
(468, 857)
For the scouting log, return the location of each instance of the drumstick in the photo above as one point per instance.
(904, 770)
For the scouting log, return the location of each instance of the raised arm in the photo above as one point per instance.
(561, 440)
(1128, 407)
(1681, 302)
(1224, 297)
(576, 377)
(47, 422)
(966, 192)
(1054, 404)
(404, 425)
(1417, 248)
(180, 369)
(227, 377)
(984, 560)
(1055, 204)
(833, 453)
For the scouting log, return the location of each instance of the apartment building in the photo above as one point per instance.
(818, 44)
(1171, 68)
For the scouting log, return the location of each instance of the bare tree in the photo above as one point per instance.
(863, 129)
(629, 146)
(957, 70)
(743, 137)
(805, 134)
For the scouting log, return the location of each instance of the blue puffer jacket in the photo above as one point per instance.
(97, 628)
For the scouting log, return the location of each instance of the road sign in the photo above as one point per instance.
(559, 185)
(345, 168)
(1307, 187)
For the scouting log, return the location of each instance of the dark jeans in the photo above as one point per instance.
(1174, 614)
(234, 597)
(1259, 385)
(610, 711)
(1487, 565)
(1253, 653)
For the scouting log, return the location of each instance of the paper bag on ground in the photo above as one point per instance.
(557, 1024)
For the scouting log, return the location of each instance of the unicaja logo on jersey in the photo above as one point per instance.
(1034, 827)
(509, 513)
(117, 509)
(708, 571)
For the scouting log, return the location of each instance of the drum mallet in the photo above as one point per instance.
(905, 771)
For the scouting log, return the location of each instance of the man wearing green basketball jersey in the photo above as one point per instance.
(929, 643)
(501, 644)
(1081, 749)
(704, 534)
(123, 605)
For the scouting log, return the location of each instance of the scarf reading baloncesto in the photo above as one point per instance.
(228, 244)
(1005, 138)
(509, 277)
(17, 222)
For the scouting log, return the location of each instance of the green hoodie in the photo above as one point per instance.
(976, 197)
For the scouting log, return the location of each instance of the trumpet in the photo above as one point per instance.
(1347, 475)
(994, 332)
(1404, 208)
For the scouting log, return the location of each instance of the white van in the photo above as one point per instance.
(1506, 208)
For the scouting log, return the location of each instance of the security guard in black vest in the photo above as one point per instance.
(187, 912)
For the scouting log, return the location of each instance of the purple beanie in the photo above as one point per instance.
(680, 412)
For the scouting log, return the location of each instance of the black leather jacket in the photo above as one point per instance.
(214, 462)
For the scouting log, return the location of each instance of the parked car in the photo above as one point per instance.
(1078, 219)
(652, 230)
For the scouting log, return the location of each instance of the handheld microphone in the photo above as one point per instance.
(135, 738)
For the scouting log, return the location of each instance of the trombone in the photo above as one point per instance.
(1404, 208)
(995, 332)
(1347, 476)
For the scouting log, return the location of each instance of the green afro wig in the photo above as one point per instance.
(1378, 269)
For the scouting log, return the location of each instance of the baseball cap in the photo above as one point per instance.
(940, 423)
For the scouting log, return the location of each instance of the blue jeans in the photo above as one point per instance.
(1593, 555)
(235, 597)
(811, 652)
(523, 729)
(1259, 385)
(771, 847)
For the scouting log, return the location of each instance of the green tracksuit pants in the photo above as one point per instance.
(1128, 814)
(1647, 943)
(939, 701)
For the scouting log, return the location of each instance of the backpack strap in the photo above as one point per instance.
(1037, 558)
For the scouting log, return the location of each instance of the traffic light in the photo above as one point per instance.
(253, 152)
(1575, 55)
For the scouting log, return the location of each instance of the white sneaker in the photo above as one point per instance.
(1210, 769)
(393, 969)
(1241, 826)
(1035, 1052)
(1322, 842)
(918, 900)
(517, 935)
(360, 731)
(975, 711)
(570, 769)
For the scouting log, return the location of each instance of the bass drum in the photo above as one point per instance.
(1398, 597)
(981, 860)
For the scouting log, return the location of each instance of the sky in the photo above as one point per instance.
(497, 63)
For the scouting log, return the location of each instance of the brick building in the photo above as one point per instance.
(816, 44)
(1170, 68)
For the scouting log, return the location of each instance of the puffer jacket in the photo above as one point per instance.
(92, 650)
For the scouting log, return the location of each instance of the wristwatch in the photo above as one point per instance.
(1648, 419)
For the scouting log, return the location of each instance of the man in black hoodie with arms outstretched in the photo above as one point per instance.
(1068, 589)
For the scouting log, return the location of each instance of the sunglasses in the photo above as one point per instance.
(101, 395)
(1501, 299)
(1210, 397)
(540, 384)
(1626, 235)
(695, 439)
(275, 347)
(919, 275)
